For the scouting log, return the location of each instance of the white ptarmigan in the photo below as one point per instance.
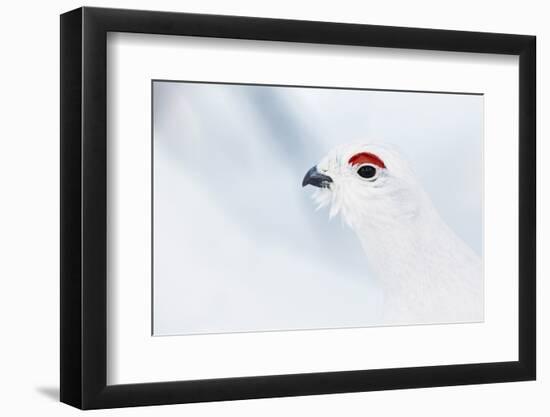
(426, 272)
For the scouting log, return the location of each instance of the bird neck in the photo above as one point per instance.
(426, 272)
(408, 252)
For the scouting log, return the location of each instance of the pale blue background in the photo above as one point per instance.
(238, 243)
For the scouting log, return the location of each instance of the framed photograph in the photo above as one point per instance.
(258, 208)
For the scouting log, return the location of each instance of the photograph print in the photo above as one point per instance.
(280, 208)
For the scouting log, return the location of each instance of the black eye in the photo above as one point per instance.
(367, 171)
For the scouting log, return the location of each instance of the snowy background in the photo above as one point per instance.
(238, 245)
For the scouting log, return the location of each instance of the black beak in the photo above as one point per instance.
(315, 178)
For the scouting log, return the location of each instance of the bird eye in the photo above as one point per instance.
(368, 172)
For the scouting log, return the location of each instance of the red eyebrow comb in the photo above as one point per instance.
(366, 158)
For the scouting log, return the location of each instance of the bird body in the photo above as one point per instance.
(426, 272)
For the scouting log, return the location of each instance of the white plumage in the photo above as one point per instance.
(427, 273)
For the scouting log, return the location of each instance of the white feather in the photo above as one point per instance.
(428, 274)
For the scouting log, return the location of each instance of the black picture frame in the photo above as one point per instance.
(84, 207)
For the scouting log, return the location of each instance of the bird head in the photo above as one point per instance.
(365, 183)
